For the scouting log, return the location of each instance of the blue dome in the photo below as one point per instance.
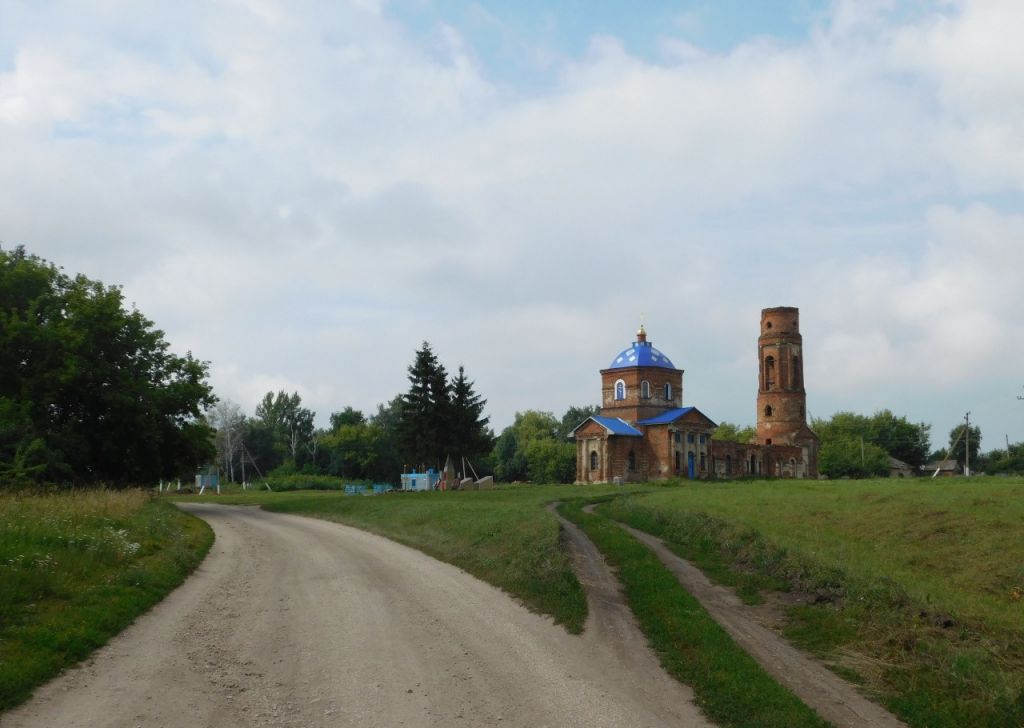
(641, 354)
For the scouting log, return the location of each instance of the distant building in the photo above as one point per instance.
(900, 469)
(943, 468)
(646, 432)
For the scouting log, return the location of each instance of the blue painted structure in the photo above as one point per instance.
(641, 354)
(420, 481)
(666, 417)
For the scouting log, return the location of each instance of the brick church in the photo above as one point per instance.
(645, 431)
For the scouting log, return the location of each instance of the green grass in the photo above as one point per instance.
(915, 587)
(729, 685)
(503, 536)
(78, 567)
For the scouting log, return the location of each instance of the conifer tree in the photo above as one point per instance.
(425, 410)
(469, 435)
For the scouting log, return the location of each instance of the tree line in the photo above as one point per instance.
(440, 415)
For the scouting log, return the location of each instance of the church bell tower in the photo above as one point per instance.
(781, 398)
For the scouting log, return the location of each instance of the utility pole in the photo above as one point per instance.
(967, 448)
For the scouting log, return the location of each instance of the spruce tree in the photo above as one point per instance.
(469, 435)
(425, 410)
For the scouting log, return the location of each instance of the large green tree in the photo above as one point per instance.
(729, 432)
(531, 449)
(959, 437)
(425, 411)
(855, 445)
(89, 389)
(289, 424)
(468, 433)
(575, 416)
(440, 417)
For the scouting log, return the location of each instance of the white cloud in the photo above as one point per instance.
(303, 193)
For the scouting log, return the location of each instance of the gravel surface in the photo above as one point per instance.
(298, 622)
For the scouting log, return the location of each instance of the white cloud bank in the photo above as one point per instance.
(303, 192)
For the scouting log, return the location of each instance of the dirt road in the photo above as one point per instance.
(298, 622)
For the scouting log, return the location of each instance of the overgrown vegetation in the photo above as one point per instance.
(78, 567)
(915, 590)
(859, 446)
(729, 685)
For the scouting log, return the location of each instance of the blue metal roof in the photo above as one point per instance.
(641, 354)
(614, 425)
(665, 417)
(618, 426)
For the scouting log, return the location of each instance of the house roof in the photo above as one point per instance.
(943, 465)
(641, 354)
(672, 415)
(614, 426)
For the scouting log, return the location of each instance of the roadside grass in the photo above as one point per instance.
(502, 536)
(729, 685)
(913, 589)
(78, 567)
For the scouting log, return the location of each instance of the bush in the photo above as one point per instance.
(300, 481)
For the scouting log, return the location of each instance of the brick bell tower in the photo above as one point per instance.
(781, 398)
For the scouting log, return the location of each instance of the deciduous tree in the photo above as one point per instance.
(89, 389)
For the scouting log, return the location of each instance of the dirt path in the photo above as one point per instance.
(298, 622)
(830, 696)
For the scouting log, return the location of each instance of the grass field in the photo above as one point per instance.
(915, 586)
(729, 685)
(503, 536)
(915, 589)
(78, 567)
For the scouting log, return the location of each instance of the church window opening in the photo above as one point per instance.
(768, 411)
(703, 461)
(689, 437)
(703, 439)
(620, 389)
(632, 460)
(678, 437)
(797, 373)
(753, 465)
(679, 461)
(593, 460)
(668, 391)
(645, 389)
(769, 372)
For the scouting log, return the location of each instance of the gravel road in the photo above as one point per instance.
(298, 622)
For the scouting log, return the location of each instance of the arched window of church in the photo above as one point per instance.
(645, 389)
(769, 372)
(620, 389)
(768, 411)
(593, 460)
(632, 460)
(668, 391)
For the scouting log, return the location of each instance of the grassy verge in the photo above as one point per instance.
(503, 536)
(76, 568)
(913, 589)
(731, 688)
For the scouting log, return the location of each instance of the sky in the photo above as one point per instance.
(301, 193)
